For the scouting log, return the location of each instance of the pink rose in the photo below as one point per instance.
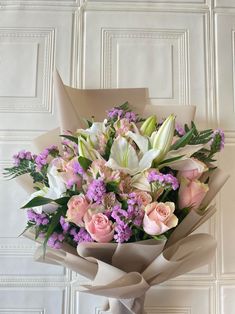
(195, 173)
(159, 218)
(77, 207)
(99, 227)
(191, 193)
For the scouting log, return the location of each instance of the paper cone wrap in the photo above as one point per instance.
(125, 272)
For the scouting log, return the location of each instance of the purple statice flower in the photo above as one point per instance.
(115, 113)
(171, 180)
(81, 236)
(179, 129)
(119, 214)
(134, 210)
(217, 140)
(39, 219)
(55, 241)
(153, 176)
(96, 191)
(77, 168)
(131, 116)
(64, 224)
(123, 233)
(22, 155)
(165, 180)
(41, 159)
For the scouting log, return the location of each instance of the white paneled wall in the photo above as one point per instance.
(184, 52)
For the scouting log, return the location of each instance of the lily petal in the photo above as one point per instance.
(147, 159)
(123, 156)
(141, 141)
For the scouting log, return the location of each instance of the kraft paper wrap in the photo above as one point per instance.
(125, 272)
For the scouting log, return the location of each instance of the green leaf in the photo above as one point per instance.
(166, 161)
(62, 201)
(108, 148)
(124, 106)
(184, 140)
(38, 201)
(54, 223)
(70, 138)
(84, 162)
(112, 186)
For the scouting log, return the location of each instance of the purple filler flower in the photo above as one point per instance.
(41, 159)
(179, 129)
(165, 180)
(96, 191)
(131, 116)
(123, 233)
(115, 113)
(64, 224)
(55, 240)
(39, 219)
(77, 168)
(81, 236)
(22, 155)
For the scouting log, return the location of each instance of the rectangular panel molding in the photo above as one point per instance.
(154, 58)
(30, 53)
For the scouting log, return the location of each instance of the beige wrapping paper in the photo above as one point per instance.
(124, 272)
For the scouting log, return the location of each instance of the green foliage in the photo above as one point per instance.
(40, 200)
(84, 162)
(70, 138)
(55, 221)
(184, 140)
(112, 187)
(26, 166)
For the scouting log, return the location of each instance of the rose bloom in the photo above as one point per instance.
(77, 207)
(159, 218)
(144, 197)
(191, 193)
(195, 173)
(99, 227)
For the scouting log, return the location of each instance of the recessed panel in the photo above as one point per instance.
(146, 63)
(31, 301)
(227, 213)
(225, 70)
(164, 51)
(22, 57)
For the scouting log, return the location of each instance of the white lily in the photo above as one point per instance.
(93, 132)
(162, 139)
(124, 157)
(55, 190)
(86, 150)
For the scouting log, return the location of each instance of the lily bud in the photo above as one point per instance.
(85, 150)
(149, 126)
(162, 139)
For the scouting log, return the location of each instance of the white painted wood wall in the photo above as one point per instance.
(184, 51)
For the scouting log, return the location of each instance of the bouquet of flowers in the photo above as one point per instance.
(119, 198)
(125, 179)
